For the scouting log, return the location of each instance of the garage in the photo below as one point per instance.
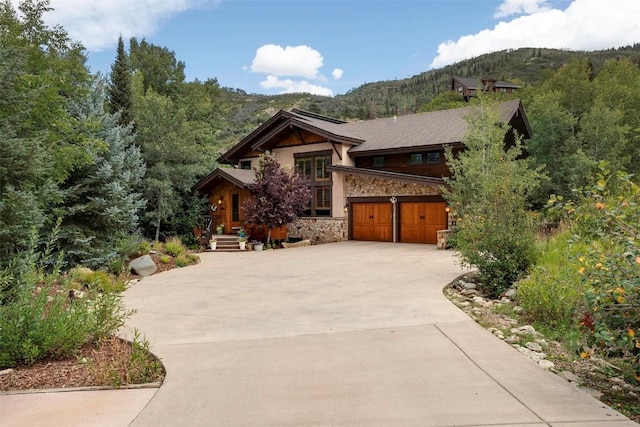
(419, 221)
(372, 221)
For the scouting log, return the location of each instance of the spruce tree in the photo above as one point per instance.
(101, 199)
(120, 96)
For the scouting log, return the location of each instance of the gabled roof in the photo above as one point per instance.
(484, 84)
(408, 132)
(281, 122)
(242, 178)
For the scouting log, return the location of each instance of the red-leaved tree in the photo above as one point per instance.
(279, 195)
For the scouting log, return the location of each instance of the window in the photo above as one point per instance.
(314, 169)
(415, 159)
(303, 166)
(235, 207)
(323, 201)
(245, 164)
(378, 162)
(433, 158)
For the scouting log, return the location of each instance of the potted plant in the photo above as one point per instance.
(243, 243)
(220, 228)
(257, 246)
(212, 243)
(242, 233)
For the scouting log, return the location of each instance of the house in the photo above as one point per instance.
(469, 86)
(378, 180)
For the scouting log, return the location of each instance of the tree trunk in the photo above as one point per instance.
(158, 230)
(268, 235)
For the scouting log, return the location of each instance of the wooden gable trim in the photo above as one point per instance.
(222, 176)
(335, 148)
(244, 144)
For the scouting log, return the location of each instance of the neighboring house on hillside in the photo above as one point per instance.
(469, 86)
(379, 180)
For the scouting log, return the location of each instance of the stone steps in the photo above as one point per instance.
(227, 243)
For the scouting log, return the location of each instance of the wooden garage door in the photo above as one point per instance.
(372, 221)
(419, 221)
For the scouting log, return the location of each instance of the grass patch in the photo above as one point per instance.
(553, 293)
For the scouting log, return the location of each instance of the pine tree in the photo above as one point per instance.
(120, 96)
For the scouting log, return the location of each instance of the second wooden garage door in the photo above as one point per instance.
(419, 221)
(372, 221)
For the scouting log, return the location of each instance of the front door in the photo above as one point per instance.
(236, 210)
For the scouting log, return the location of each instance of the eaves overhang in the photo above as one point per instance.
(395, 176)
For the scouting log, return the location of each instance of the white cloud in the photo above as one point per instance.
(583, 25)
(337, 73)
(516, 7)
(299, 61)
(291, 86)
(98, 23)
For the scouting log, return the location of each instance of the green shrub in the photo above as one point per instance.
(174, 247)
(607, 238)
(143, 366)
(553, 292)
(42, 322)
(182, 260)
(165, 259)
(80, 278)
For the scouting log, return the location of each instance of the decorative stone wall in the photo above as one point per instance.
(319, 230)
(362, 186)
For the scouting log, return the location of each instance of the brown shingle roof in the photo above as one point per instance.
(242, 178)
(395, 133)
(419, 130)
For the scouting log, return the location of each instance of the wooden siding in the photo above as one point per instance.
(400, 163)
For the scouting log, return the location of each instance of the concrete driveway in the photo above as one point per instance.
(352, 333)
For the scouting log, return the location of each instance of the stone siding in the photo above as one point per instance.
(361, 186)
(320, 230)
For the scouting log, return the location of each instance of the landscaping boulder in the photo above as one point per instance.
(143, 266)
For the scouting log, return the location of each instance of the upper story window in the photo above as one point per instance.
(314, 169)
(245, 164)
(433, 157)
(430, 158)
(415, 159)
(322, 171)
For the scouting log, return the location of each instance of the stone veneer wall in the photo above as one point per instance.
(328, 230)
(361, 186)
(319, 230)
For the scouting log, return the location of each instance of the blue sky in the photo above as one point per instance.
(331, 46)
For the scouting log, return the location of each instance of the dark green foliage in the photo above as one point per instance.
(41, 73)
(120, 95)
(160, 69)
(488, 193)
(578, 120)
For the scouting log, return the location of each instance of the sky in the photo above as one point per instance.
(328, 47)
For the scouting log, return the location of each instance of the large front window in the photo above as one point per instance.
(314, 169)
